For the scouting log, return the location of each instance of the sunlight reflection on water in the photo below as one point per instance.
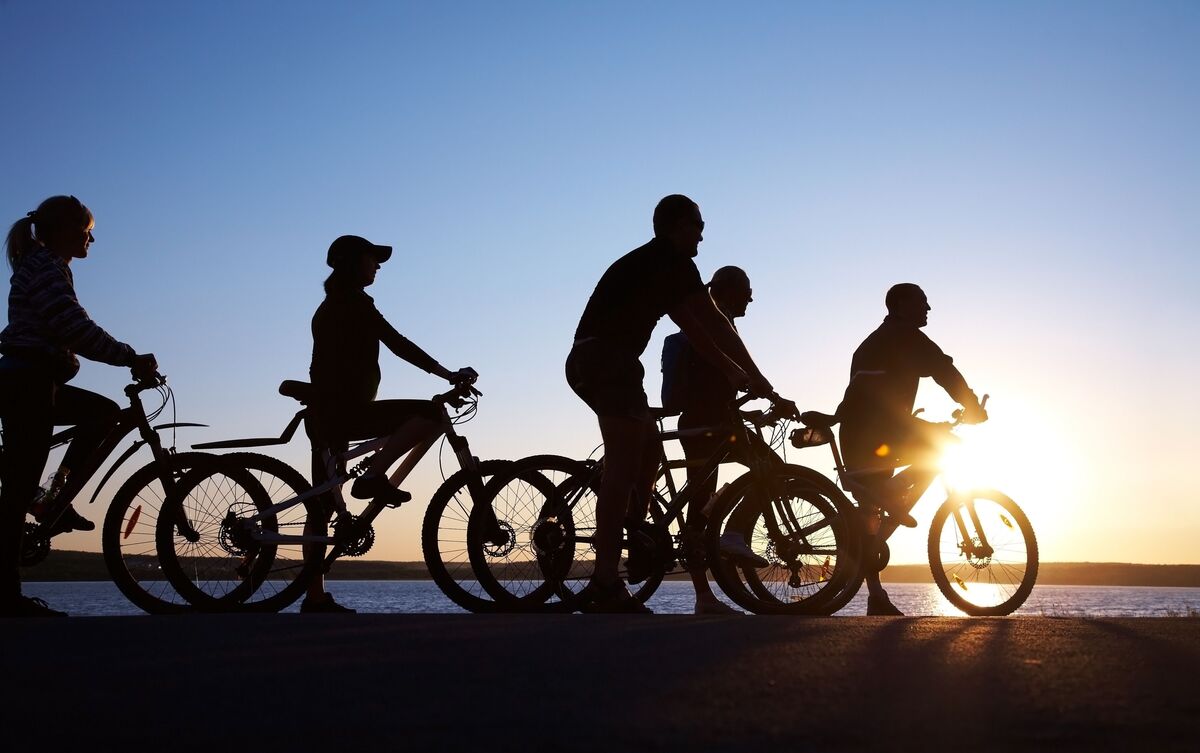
(676, 597)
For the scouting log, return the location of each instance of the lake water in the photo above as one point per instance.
(676, 597)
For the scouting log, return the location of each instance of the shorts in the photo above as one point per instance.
(609, 382)
(380, 418)
(919, 444)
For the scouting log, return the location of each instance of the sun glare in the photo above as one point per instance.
(1022, 453)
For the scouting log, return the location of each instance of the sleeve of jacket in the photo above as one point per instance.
(941, 367)
(54, 299)
(401, 345)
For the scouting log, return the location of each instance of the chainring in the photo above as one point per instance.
(352, 541)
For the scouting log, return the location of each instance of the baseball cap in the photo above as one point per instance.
(353, 245)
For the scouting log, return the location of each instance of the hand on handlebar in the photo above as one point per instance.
(145, 367)
(784, 408)
(972, 414)
(465, 375)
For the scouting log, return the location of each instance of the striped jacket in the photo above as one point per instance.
(45, 320)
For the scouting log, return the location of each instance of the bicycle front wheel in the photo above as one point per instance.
(127, 537)
(805, 530)
(983, 553)
(444, 538)
(216, 556)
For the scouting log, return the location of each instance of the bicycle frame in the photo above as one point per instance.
(757, 456)
(131, 419)
(336, 463)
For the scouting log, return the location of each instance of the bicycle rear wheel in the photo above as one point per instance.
(533, 549)
(813, 556)
(983, 553)
(221, 561)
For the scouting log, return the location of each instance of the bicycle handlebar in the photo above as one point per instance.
(957, 415)
(462, 393)
(141, 385)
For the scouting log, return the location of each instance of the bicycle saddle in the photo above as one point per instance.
(299, 391)
(817, 420)
(657, 413)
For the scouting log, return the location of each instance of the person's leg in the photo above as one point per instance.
(701, 485)
(624, 456)
(26, 412)
(94, 417)
(406, 423)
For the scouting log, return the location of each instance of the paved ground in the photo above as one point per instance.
(599, 683)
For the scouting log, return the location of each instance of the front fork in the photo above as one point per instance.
(971, 546)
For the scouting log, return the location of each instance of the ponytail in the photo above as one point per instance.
(20, 239)
(55, 211)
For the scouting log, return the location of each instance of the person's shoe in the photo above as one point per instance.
(380, 489)
(714, 606)
(732, 545)
(640, 561)
(71, 520)
(613, 599)
(879, 605)
(902, 518)
(28, 606)
(324, 606)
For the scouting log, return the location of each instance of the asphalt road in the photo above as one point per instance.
(599, 683)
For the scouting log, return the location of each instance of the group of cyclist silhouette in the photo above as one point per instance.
(705, 365)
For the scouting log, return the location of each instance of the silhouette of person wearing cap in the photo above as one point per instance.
(347, 331)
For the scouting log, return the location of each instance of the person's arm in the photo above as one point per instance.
(718, 342)
(52, 295)
(941, 367)
(407, 349)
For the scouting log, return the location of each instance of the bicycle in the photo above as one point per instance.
(127, 533)
(546, 564)
(982, 550)
(254, 553)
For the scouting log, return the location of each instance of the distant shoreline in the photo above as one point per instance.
(89, 566)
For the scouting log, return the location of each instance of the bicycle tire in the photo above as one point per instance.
(547, 564)
(128, 536)
(1009, 533)
(216, 571)
(805, 583)
(444, 539)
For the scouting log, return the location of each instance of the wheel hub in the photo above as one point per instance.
(504, 543)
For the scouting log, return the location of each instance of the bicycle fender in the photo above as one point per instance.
(112, 470)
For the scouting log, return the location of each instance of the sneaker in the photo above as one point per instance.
(613, 599)
(71, 520)
(380, 489)
(324, 606)
(714, 606)
(732, 545)
(902, 518)
(28, 606)
(879, 605)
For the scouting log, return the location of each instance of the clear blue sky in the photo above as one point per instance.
(1034, 166)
